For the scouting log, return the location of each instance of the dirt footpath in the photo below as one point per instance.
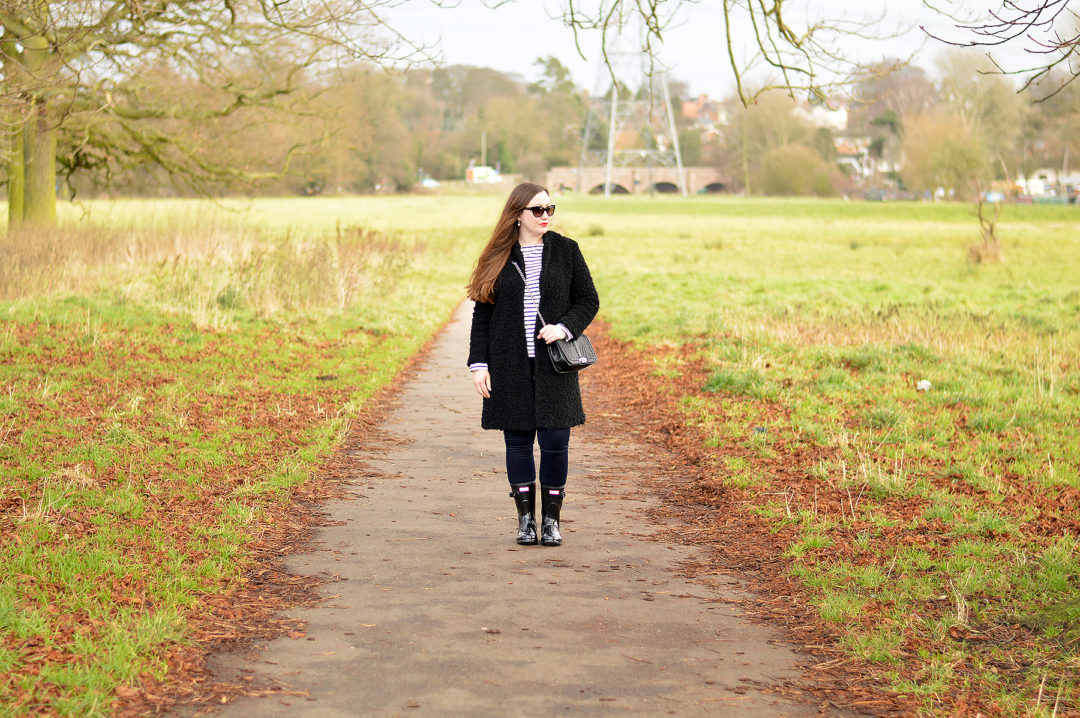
(438, 612)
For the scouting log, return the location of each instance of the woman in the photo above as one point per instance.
(523, 394)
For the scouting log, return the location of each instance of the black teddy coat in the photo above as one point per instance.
(567, 297)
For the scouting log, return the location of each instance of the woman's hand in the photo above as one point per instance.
(481, 380)
(551, 333)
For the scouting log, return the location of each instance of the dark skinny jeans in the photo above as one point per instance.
(554, 456)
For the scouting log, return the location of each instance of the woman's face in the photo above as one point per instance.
(536, 225)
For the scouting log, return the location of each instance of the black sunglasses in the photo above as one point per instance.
(538, 211)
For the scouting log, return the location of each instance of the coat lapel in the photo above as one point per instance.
(516, 256)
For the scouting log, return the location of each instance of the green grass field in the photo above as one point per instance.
(938, 530)
(170, 375)
(172, 372)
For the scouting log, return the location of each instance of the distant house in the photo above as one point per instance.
(705, 113)
(820, 115)
(1048, 182)
(853, 156)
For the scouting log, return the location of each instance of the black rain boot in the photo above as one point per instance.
(551, 504)
(525, 500)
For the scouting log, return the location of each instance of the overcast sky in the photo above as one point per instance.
(511, 37)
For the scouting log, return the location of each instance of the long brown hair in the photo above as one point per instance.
(493, 258)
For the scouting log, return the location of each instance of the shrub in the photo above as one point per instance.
(797, 170)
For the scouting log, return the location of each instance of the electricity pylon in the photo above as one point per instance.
(643, 118)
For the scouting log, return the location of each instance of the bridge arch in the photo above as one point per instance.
(616, 188)
(635, 180)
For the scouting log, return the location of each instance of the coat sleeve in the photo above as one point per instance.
(584, 301)
(478, 338)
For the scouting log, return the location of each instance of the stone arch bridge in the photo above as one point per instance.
(636, 180)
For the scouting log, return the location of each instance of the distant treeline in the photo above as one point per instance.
(363, 130)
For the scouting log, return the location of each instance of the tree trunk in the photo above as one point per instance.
(14, 136)
(16, 178)
(39, 166)
(39, 142)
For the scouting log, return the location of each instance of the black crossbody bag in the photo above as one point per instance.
(567, 355)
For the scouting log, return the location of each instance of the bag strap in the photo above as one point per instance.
(527, 289)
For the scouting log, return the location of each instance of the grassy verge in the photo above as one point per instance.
(936, 530)
(171, 376)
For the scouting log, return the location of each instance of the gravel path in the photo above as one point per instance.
(438, 612)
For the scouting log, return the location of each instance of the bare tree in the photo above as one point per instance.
(71, 72)
(775, 39)
(1048, 31)
(807, 55)
(905, 92)
(988, 250)
(71, 68)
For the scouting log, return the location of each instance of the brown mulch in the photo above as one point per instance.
(252, 610)
(625, 397)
